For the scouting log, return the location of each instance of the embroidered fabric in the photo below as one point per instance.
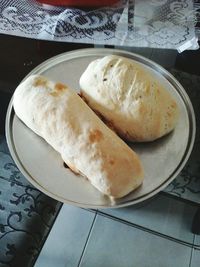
(26, 214)
(140, 23)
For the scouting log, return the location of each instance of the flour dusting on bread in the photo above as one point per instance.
(56, 113)
(128, 97)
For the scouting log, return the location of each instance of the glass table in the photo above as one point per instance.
(162, 231)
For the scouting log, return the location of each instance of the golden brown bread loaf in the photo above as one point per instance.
(129, 98)
(56, 113)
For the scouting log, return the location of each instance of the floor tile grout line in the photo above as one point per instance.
(197, 247)
(45, 239)
(190, 262)
(89, 210)
(175, 240)
(86, 242)
(191, 254)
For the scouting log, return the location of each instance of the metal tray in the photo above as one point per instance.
(43, 167)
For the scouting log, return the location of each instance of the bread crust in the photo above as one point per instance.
(56, 113)
(129, 98)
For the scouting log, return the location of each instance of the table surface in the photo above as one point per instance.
(156, 232)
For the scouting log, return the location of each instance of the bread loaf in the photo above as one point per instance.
(129, 98)
(57, 114)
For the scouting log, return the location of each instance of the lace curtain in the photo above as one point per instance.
(139, 23)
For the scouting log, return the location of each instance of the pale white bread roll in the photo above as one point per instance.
(56, 113)
(129, 98)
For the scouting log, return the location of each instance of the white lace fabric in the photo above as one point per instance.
(140, 23)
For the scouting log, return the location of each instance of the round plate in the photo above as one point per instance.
(43, 167)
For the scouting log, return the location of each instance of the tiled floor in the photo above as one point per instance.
(195, 258)
(85, 238)
(67, 238)
(162, 215)
(114, 244)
